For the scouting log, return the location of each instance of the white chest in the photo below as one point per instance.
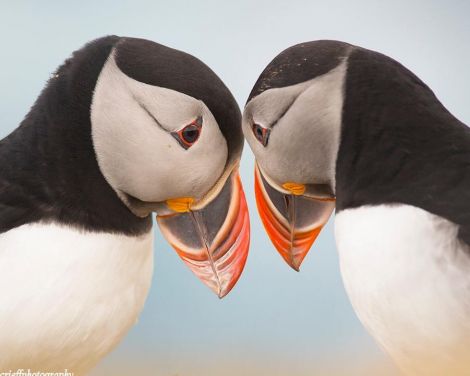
(67, 297)
(408, 278)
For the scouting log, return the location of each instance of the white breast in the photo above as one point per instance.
(408, 278)
(67, 297)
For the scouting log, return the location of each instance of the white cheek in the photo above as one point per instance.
(136, 155)
(303, 144)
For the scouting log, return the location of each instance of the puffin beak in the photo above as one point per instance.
(291, 219)
(214, 240)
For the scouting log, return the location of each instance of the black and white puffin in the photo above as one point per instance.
(333, 125)
(124, 128)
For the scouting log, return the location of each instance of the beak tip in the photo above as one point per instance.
(295, 267)
(222, 293)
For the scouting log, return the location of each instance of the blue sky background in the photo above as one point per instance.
(275, 321)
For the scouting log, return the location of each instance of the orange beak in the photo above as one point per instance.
(292, 220)
(212, 241)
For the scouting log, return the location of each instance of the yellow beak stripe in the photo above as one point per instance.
(294, 188)
(180, 205)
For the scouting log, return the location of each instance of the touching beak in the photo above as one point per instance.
(214, 240)
(292, 219)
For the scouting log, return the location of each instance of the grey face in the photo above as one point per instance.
(152, 143)
(294, 131)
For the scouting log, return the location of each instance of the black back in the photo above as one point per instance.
(48, 168)
(399, 144)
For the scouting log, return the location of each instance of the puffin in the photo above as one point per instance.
(124, 128)
(335, 126)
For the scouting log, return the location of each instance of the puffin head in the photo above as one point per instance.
(167, 136)
(292, 122)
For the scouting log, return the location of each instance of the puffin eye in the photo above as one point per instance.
(189, 134)
(261, 134)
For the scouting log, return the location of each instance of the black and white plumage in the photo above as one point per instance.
(356, 126)
(123, 128)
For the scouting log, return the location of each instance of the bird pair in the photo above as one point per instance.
(127, 127)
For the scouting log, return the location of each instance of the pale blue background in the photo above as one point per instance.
(275, 322)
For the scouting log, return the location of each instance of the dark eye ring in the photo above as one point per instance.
(261, 133)
(188, 136)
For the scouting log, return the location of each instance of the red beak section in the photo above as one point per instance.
(292, 222)
(213, 241)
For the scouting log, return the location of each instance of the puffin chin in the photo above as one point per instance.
(211, 236)
(293, 214)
